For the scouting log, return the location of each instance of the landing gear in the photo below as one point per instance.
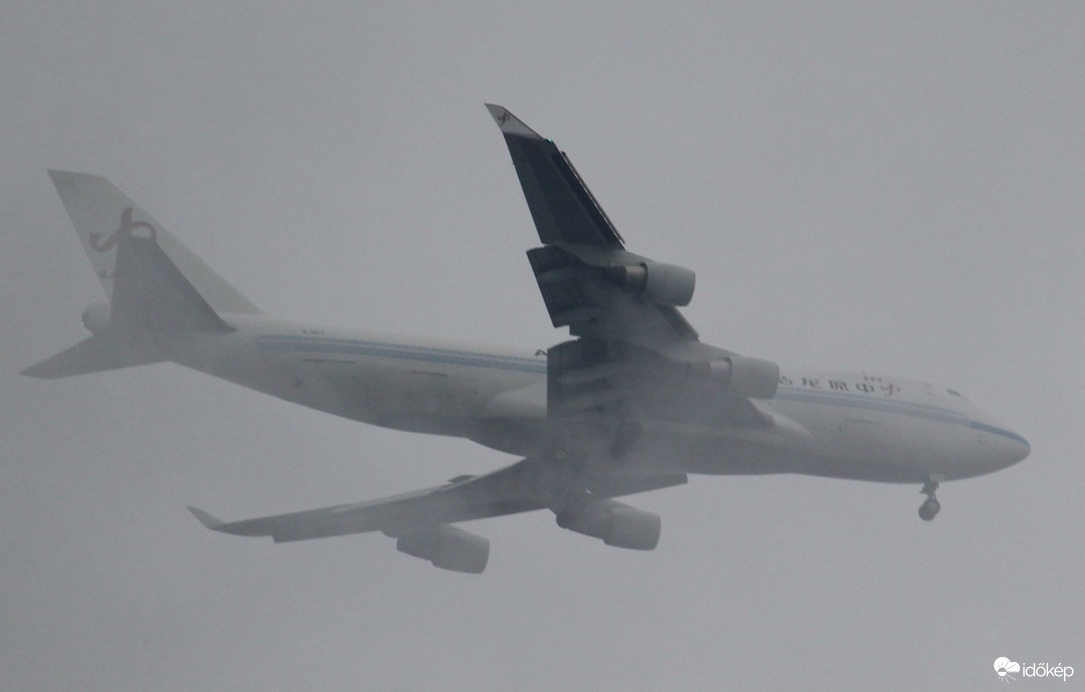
(929, 509)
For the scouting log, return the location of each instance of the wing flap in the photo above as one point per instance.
(577, 296)
(506, 491)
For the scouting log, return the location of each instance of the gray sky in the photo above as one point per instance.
(898, 190)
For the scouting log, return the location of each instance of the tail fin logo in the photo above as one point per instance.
(125, 231)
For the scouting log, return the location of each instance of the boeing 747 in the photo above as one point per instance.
(632, 401)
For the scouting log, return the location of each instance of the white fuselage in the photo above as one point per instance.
(838, 424)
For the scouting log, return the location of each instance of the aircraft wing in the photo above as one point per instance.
(634, 349)
(583, 268)
(564, 209)
(506, 491)
(421, 520)
(521, 487)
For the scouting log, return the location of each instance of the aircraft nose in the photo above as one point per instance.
(1014, 447)
(1006, 447)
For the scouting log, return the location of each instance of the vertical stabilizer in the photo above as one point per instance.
(105, 218)
(154, 283)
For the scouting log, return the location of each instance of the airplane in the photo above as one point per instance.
(632, 401)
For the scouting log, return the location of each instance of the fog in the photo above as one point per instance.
(890, 189)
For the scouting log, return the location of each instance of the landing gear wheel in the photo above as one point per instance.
(929, 509)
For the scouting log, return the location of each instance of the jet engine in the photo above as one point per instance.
(447, 547)
(742, 376)
(616, 524)
(665, 284)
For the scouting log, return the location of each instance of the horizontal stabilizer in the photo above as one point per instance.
(96, 354)
(206, 518)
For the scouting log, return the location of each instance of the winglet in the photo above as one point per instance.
(206, 519)
(510, 124)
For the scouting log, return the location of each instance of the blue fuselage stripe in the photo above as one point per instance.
(445, 356)
(975, 425)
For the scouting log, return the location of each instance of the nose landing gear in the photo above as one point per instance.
(929, 509)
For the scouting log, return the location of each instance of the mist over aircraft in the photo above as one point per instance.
(632, 401)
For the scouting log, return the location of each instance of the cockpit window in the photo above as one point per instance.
(954, 392)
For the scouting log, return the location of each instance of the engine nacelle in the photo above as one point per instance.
(97, 317)
(742, 376)
(665, 284)
(448, 547)
(616, 524)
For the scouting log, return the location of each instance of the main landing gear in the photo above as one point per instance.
(929, 509)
